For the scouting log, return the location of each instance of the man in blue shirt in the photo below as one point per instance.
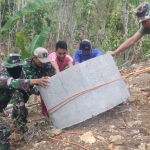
(85, 52)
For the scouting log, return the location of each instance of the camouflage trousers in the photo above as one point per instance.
(19, 113)
(4, 134)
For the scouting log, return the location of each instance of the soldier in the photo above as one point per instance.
(142, 14)
(15, 89)
(38, 66)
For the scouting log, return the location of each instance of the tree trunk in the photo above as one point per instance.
(125, 25)
(0, 60)
(23, 5)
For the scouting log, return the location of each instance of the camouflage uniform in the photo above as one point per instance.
(15, 90)
(32, 71)
(7, 87)
(18, 97)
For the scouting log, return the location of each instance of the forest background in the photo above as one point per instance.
(107, 23)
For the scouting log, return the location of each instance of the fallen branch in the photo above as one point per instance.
(73, 143)
(80, 133)
(76, 144)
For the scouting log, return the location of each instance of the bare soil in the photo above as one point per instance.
(130, 120)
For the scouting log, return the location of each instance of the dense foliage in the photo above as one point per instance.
(106, 23)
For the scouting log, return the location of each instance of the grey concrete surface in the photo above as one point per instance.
(85, 75)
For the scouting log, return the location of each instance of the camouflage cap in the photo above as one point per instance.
(142, 12)
(13, 60)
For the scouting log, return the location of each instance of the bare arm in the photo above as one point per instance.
(42, 82)
(128, 43)
(70, 64)
(22, 84)
(55, 66)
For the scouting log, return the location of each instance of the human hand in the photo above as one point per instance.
(111, 52)
(44, 81)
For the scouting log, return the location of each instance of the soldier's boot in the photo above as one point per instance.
(4, 146)
(22, 124)
(14, 117)
(4, 134)
(19, 120)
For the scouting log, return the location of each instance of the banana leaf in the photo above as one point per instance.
(38, 40)
(21, 44)
(37, 5)
(137, 2)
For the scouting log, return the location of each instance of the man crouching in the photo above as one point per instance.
(14, 86)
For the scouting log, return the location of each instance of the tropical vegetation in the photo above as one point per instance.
(28, 24)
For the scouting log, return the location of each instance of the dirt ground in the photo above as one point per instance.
(129, 121)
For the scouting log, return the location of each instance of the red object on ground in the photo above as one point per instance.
(44, 110)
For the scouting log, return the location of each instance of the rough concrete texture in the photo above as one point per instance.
(83, 76)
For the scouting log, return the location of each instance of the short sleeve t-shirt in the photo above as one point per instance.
(78, 57)
(61, 63)
(144, 30)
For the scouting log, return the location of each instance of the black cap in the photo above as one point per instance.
(85, 46)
